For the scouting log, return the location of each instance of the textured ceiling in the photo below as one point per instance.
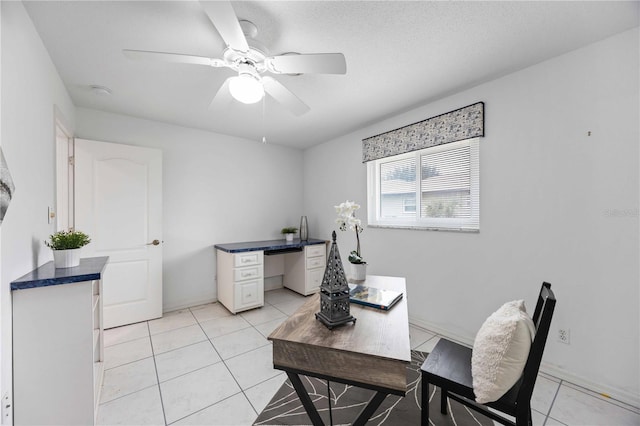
(399, 55)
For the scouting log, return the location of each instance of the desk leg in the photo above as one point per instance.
(370, 408)
(306, 400)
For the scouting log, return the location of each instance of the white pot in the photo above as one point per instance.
(66, 258)
(359, 271)
(288, 237)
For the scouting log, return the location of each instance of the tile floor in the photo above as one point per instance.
(204, 366)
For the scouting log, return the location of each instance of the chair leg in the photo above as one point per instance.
(523, 417)
(424, 415)
(443, 400)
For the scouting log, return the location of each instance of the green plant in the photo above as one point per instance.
(289, 230)
(65, 240)
(354, 257)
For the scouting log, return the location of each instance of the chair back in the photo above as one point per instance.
(542, 321)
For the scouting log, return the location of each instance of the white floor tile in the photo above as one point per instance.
(274, 297)
(197, 388)
(210, 311)
(266, 328)
(260, 394)
(124, 353)
(139, 408)
(178, 338)
(418, 336)
(253, 367)
(553, 422)
(574, 407)
(538, 418)
(194, 391)
(185, 360)
(428, 345)
(602, 397)
(262, 315)
(288, 308)
(232, 411)
(224, 325)
(113, 336)
(172, 321)
(543, 394)
(239, 342)
(128, 378)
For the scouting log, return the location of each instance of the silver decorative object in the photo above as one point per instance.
(304, 229)
(334, 292)
(6, 187)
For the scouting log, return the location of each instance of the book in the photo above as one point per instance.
(379, 298)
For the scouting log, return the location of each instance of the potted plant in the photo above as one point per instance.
(66, 247)
(347, 219)
(289, 232)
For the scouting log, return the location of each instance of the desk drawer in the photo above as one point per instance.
(316, 262)
(316, 250)
(314, 280)
(242, 274)
(248, 294)
(248, 259)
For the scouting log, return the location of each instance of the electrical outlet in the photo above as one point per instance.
(564, 336)
(6, 410)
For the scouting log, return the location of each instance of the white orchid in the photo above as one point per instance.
(347, 219)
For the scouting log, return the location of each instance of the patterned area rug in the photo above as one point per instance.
(285, 407)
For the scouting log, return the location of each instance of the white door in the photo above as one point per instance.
(118, 203)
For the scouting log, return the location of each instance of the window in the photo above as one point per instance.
(433, 188)
(409, 205)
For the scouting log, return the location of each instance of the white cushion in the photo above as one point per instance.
(500, 351)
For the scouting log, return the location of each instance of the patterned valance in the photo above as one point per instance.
(461, 124)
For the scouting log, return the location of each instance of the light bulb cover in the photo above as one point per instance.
(246, 88)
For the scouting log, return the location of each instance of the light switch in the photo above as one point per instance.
(50, 215)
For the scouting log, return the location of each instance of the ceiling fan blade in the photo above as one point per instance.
(172, 57)
(283, 95)
(223, 98)
(226, 22)
(319, 63)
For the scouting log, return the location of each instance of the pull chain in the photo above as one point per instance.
(264, 137)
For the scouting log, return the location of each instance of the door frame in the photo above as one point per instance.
(64, 181)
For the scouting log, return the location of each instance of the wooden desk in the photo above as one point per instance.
(373, 353)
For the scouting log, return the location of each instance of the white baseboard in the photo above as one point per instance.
(547, 368)
(605, 391)
(441, 331)
(185, 305)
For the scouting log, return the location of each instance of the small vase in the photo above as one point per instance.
(288, 237)
(358, 271)
(304, 229)
(66, 258)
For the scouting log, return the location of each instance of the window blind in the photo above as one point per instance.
(434, 188)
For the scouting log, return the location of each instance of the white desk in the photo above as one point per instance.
(58, 348)
(242, 268)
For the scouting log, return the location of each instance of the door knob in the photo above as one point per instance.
(154, 243)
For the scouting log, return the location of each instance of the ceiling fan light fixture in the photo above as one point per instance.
(246, 88)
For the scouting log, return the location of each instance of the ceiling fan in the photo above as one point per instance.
(251, 61)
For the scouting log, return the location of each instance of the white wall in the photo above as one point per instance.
(31, 89)
(547, 194)
(216, 189)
